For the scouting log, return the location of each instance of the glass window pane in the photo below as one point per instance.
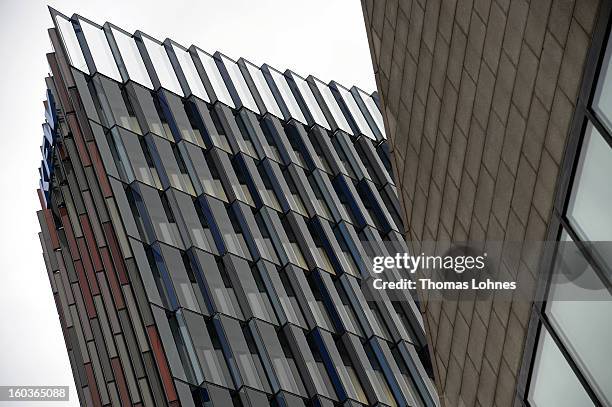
(602, 101)
(191, 74)
(332, 104)
(589, 207)
(553, 383)
(283, 87)
(354, 111)
(71, 43)
(576, 291)
(311, 102)
(161, 64)
(214, 76)
(100, 50)
(262, 87)
(131, 58)
(238, 81)
(372, 108)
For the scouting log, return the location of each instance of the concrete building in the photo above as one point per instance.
(497, 116)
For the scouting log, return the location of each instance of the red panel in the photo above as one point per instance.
(52, 230)
(120, 380)
(89, 270)
(91, 242)
(99, 169)
(89, 304)
(75, 129)
(74, 252)
(162, 364)
(93, 387)
(59, 83)
(109, 270)
(113, 245)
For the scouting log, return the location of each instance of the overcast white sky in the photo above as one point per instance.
(325, 38)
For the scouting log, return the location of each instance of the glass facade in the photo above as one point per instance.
(189, 261)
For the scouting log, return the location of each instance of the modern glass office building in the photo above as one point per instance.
(206, 224)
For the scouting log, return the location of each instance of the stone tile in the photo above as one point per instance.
(494, 36)
(494, 140)
(548, 71)
(535, 233)
(444, 338)
(515, 232)
(484, 196)
(475, 146)
(434, 203)
(570, 74)
(559, 19)
(401, 38)
(475, 43)
(426, 155)
(559, 125)
(545, 185)
(513, 140)
(452, 386)
(391, 10)
(503, 87)
(461, 333)
(515, 26)
(469, 384)
(449, 204)
(432, 11)
(463, 14)
(502, 196)
(438, 68)
(486, 384)
(495, 230)
(521, 304)
(535, 26)
(504, 4)
(414, 30)
(394, 93)
(459, 232)
(423, 72)
(482, 7)
(465, 104)
(441, 152)
(456, 156)
(477, 233)
(432, 113)
(447, 18)
(523, 190)
(504, 392)
(417, 121)
(513, 346)
(448, 109)
(535, 132)
(456, 56)
(410, 171)
(585, 11)
(477, 338)
(484, 95)
(465, 205)
(525, 80)
(418, 213)
(378, 15)
(386, 50)
(494, 343)
(408, 82)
